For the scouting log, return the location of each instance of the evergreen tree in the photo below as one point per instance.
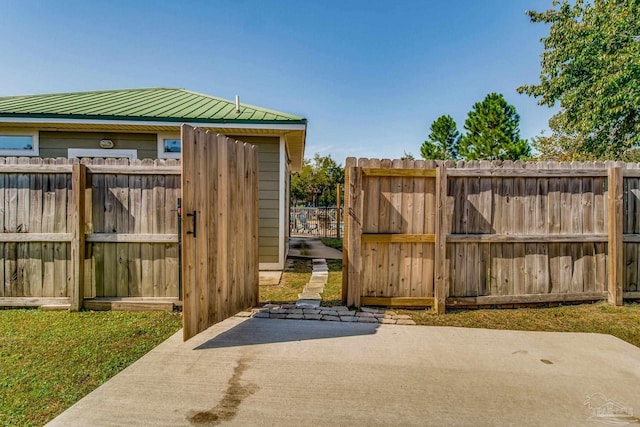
(443, 140)
(493, 132)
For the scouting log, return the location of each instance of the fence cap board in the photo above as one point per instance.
(134, 170)
(42, 168)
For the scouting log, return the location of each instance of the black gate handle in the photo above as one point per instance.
(194, 214)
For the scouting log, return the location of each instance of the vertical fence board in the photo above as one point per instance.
(543, 284)
(372, 285)
(146, 227)
(189, 267)
(497, 261)
(431, 192)
(553, 228)
(485, 211)
(519, 250)
(77, 245)
(384, 225)
(354, 220)
(440, 285)
(473, 222)
(11, 225)
(172, 266)
(406, 226)
(599, 208)
(459, 226)
(420, 255)
(35, 226)
(135, 226)
(615, 230)
(121, 201)
(505, 285)
(110, 261)
(202, 176)
(60, 226)
(348, 164)
(158, 227)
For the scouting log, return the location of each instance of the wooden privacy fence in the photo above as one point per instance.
(220, 232)
(490, 233)
(100, 230)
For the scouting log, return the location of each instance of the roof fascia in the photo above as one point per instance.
(222, 125)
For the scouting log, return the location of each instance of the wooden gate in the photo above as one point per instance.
(220, 228)
(394, 248)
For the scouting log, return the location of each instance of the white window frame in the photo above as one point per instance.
(163, 154)
(35, 150)
(76, 153)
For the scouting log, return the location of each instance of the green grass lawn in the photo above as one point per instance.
(296, 277)
(332, 242)
(622, 322)
(49, 360)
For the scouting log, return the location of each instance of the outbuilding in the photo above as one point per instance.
(145, 124)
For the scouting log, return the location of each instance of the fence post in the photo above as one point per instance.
(349, 163)
(79, 177)
(354, 219)
(615, 262)
(441, 273)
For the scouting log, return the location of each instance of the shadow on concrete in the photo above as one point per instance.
(311, 247)
(269, 331)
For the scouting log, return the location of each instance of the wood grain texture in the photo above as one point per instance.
(615, 228)
(220, 228)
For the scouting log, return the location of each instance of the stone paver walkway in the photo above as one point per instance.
(308, 306)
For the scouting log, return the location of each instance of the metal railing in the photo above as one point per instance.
(322, 222)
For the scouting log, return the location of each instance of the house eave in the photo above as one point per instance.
(294, 133)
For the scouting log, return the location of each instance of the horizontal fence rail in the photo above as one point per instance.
(507, 232)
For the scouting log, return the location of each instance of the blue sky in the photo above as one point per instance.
(370, 76)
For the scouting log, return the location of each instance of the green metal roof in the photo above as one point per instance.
(155, 104)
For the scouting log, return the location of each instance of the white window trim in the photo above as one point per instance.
(35, 151)
(75, 153)
(163, 154)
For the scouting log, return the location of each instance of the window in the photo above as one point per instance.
(19, 143)
(169, 146)
(74, 153)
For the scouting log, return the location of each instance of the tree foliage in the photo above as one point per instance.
(316, 183)
(493, 131)
(591, 66)
(443, 140)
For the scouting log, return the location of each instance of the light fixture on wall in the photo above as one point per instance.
(106, 143)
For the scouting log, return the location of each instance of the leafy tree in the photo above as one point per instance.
(316, 182)
(493, 131)
(443, 140)
(591, 66)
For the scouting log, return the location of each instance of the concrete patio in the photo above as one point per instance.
(290, 373)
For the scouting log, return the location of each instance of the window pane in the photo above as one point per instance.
(172, 146)
(16, 142)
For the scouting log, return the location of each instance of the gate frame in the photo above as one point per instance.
(352, 254)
